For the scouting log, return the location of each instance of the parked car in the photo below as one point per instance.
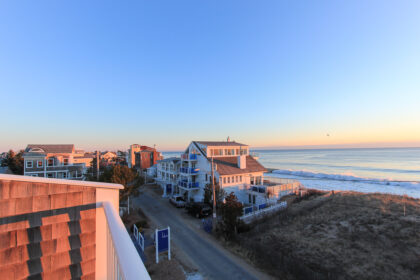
(178, 201)
(199, 210)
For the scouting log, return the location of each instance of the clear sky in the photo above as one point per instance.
(106, 74)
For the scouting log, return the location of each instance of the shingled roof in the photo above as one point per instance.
(220, 143)
(229, 165)
(52, 148)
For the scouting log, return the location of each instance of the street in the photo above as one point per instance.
(212, 260)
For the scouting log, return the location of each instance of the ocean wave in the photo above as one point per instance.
(347, 177)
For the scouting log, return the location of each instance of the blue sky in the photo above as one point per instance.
(105, 74)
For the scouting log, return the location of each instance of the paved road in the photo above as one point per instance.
(212, 260)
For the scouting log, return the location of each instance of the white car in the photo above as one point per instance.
(178, 201)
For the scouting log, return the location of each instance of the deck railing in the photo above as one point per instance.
(189, 156)
(123, 260)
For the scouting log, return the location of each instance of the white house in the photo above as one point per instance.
(235, 170)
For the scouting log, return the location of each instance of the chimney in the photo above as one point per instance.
(242, 161)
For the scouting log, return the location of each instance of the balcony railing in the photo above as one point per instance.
(189, 156)
(189, 170)
(123, 259)
(189, 185)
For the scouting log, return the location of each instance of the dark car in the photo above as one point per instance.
(199, 210)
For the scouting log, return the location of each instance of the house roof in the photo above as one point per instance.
(220, 143)
(229, 165)
(52, 148)
(174, 159)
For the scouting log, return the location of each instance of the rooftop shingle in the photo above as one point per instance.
(220, 143)
(229, 165)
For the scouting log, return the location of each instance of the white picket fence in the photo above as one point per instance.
(139, 237)
(260, 213)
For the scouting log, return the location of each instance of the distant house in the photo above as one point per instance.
(85, 158)
(54, 161)
(142, 157)
(109, 157)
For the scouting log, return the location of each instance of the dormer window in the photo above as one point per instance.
(29, 164)
(50, 162)
(66, 161)
(39, 163)
(36, 150)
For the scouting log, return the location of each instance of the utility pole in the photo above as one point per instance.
(214, 189)
(97, 165)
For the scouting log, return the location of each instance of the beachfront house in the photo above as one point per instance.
(234, 168)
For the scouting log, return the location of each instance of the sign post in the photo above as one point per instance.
(162, 242)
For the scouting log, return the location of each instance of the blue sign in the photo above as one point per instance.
(163, 240)
(248, 210)
(262, 206)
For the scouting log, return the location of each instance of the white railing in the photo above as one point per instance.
(123, 260)
(259, 213)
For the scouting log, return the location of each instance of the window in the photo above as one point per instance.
(29, 164)
(224, 180)
(237, 179)
(34, 175)
(206, 177)
(50, 162)
(39, 163)
(228, 180)
(64, 175)
(50, 175)
(249, 198)
(240, 178)
(66, 161)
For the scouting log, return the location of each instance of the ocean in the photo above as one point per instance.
(386, 170)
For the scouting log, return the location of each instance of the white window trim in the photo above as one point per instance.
(27, 164)
(37, 163)
(48, 165)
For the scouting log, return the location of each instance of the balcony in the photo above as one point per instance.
(188, 185)
(187, 170)
(189, 156)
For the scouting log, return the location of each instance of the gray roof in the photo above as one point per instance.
(220, 143)
(52, 148)
(174, 159)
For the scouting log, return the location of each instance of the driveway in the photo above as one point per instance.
(211, 259)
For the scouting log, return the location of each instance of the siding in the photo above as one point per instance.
(47, 231)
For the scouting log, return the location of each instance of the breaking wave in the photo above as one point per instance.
(346, 177)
